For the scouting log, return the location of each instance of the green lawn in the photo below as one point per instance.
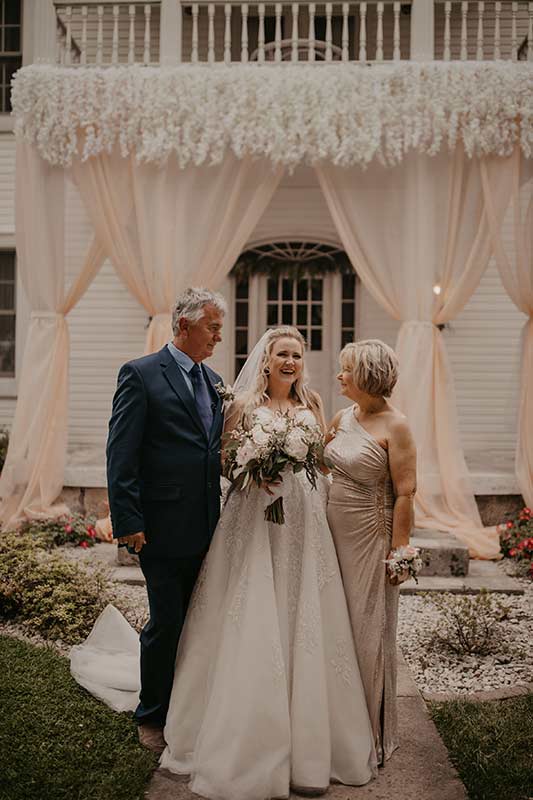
(56, 741)
(491, 745)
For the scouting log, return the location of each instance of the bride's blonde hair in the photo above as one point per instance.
(300, 392)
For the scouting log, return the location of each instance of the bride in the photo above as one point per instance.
(267, 695)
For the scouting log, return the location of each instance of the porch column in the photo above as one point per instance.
(170, 33)
(39, 32)
(422, 30)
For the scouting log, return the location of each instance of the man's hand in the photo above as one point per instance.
(134, 540)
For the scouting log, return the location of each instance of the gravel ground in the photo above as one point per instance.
(435, 668)
(439, 669)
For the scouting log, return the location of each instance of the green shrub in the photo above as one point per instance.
(56, 598)
(467, 624)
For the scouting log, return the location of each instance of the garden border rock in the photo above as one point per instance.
(479, 697)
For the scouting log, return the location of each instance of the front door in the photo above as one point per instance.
(322, 306)
(305, 303)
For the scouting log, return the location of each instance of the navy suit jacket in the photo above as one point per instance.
(163, 470)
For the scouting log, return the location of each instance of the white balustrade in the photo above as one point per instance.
(488, 29)
(219, 31)
(96, 33)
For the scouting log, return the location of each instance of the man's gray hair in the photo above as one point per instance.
(191, 303)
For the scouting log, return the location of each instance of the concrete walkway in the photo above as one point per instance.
(419, 770)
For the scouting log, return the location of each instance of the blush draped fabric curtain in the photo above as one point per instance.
(409, 230)
(515, 264)
(166, 228)
(32, 477)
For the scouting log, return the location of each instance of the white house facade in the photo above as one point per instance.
(330, 305)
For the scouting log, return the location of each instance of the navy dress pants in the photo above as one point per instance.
(169, 583)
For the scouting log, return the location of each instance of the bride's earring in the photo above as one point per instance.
(266, 371)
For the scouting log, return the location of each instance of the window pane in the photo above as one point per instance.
(7, 69)
(303, 332)
(302, 289)
(316, 289)
(239, 364)
(7, 358)
(7, 266)
(12, 12)
(12, 40)
(301, 315)
(272, 315)
(272, 288)
(348, 287)
(241, 342)
(346, 337)
(348, 315)
(316, 340)
(241, 290)
(316, 315)
(286, 315)
(287, 288)
(242, 314)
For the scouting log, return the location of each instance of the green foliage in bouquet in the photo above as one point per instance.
(467, 624)
(40, 590)
(516, 541)
(73, 529)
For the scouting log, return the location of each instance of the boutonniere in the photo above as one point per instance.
(226, 393)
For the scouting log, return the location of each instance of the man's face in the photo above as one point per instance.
(199, 339)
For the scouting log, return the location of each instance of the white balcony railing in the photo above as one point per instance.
(479, 31)
(204, 32)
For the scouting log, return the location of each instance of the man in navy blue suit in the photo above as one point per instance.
(163, 477)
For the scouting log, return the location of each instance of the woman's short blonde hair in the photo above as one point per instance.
(373, 364)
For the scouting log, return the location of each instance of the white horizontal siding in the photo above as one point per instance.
(107, 328)
(7, 183)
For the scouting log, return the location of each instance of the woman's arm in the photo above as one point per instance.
(402, 463)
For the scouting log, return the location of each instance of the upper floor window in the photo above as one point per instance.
(7, 313)
(10, 48)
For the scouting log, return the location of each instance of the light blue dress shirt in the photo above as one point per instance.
(184, 362)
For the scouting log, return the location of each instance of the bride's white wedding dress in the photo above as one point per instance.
(267, 691)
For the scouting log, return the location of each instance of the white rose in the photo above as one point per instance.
(280, 424)
(264, 418)
(305, 417)
(259, 435)
(245, 453)
(295, 445)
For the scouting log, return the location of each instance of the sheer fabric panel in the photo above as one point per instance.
(515, 265)
(167, 228)
(32, 477)
(411, 231)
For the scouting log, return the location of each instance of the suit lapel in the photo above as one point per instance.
(173, 374)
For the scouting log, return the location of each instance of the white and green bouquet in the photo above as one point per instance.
(275, 443)
(403, 563)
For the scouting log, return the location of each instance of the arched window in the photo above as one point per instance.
(306, 284)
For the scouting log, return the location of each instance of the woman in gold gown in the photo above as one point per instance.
(372, 456)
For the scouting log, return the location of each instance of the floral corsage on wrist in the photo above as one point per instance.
(403, 563)
(226, 393)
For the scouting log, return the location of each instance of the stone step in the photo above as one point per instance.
(482, 575)
(442, 553)
(130, 575)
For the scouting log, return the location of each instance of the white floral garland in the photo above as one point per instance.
(345, 114)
